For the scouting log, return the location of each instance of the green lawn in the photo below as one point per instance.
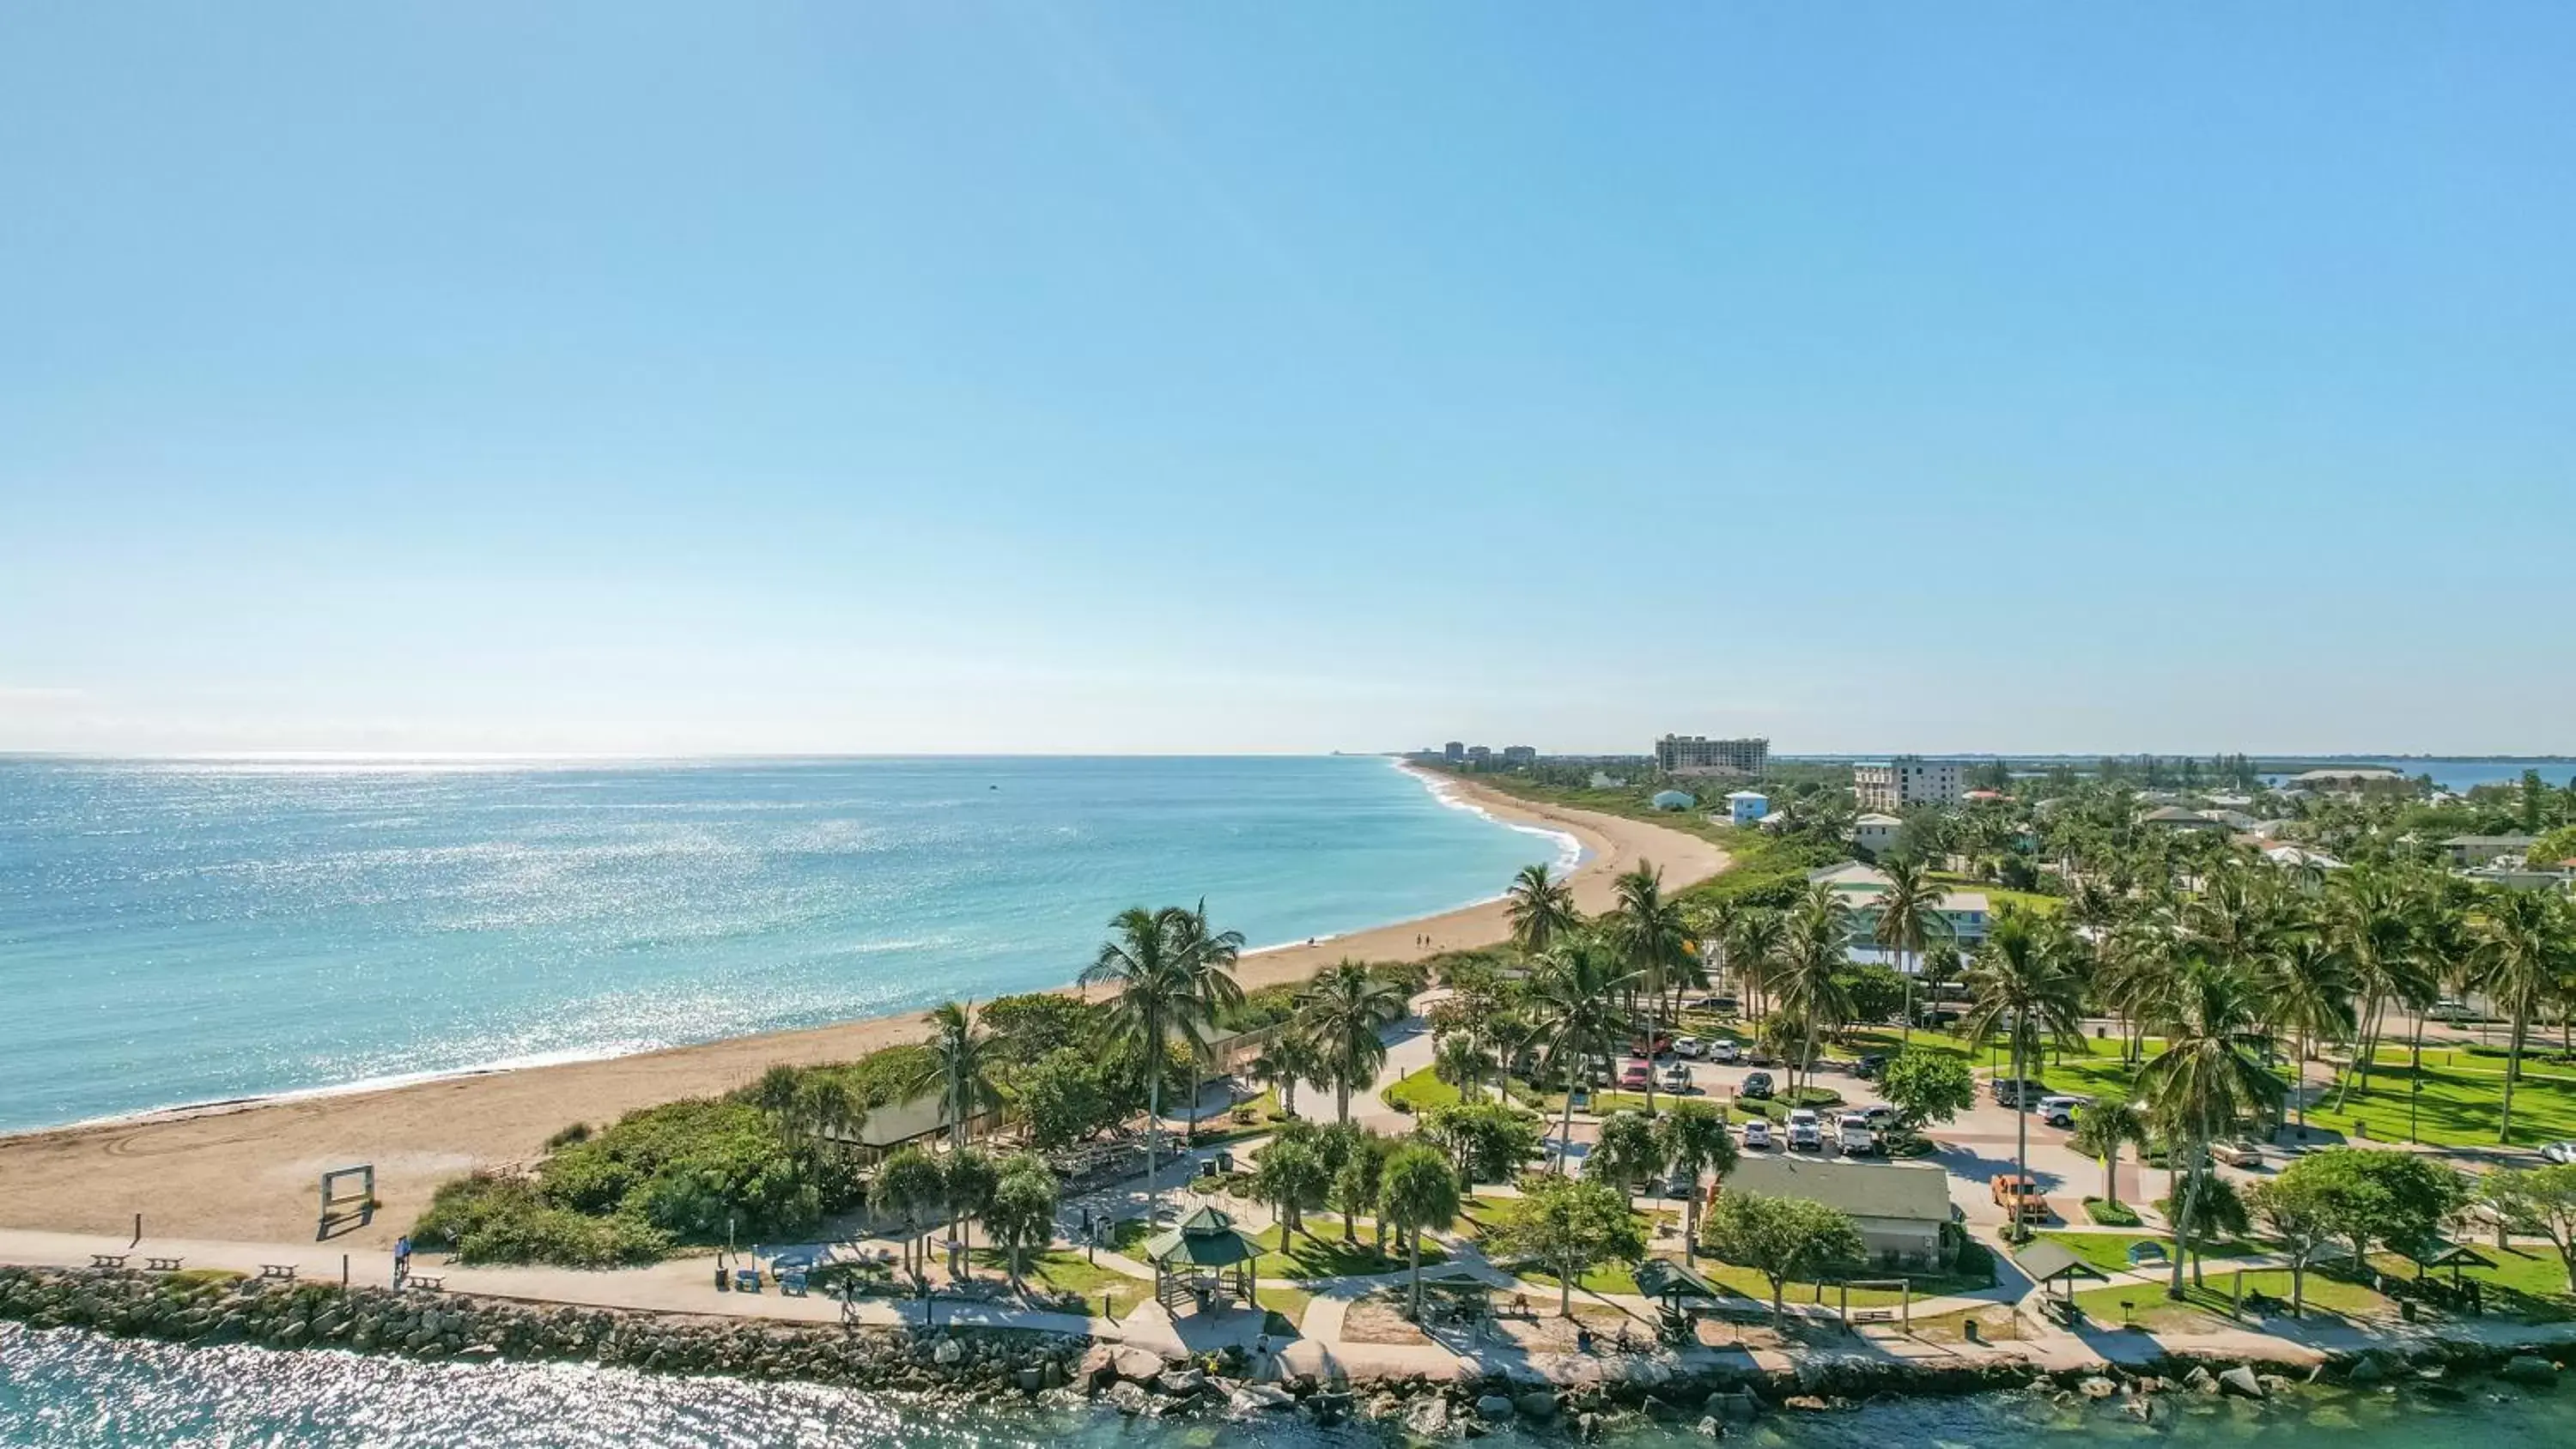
(2205, 1309)
(1419, 1092)
(1064, 1270)
(2002, 896)
(2457, 1108)
(1288, 1303)
(1327, 1256)
(2525, 1282)
(2108, 1252)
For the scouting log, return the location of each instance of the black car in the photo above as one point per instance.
(1868, 1067)
(1757, 1085)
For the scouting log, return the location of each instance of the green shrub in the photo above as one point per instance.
(488, 1218)
(2110, 1214)
(567, 1136)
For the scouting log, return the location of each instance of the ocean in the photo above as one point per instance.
(183, 931)
(71, 1389)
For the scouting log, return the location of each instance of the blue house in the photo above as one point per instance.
(1746, 806)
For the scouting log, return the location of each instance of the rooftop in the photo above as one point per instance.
(1915, 1192)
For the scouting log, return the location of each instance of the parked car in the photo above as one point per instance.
(1761, 1058)
(1689, 1046)
(1681, 1184)
(1651, 1046)
(1854, 1135)
(1757, 1085)
(2060, 1110)
(2243, 1152)
(2011, 1093)
(1676, 1078)
(1806, 1132)
(1635, 1076)
(2019, 1197)
(1725, 1005)
(1882, 1118)
(2447, 1009)
(1868, 1067)
(1724, 1051)
(2560, 1152)
(1757, 1136)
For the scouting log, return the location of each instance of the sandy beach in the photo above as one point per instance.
(248, 1171)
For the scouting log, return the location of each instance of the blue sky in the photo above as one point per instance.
(636, 377)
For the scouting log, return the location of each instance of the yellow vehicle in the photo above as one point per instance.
(2019, 1197)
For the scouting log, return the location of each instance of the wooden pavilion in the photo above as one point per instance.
(1203, 1260)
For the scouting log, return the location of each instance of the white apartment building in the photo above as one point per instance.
(1907, 781)
(1700, 755)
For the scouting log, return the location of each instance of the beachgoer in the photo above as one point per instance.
(1582, 1339)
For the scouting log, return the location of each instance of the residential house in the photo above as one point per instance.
(1968, 914)
(1900, 1208)
(1672, 800)
(2174, 817)
(1743, 807)
(1876, 833)
(2466, 850)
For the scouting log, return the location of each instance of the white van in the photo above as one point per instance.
(1855, 1136)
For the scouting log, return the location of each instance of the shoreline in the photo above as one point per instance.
(246, 1168)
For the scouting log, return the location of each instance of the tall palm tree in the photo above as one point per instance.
(1417, 1191)
(1753, 946)
(2523, 955)
(2308, 990)
(1694, 1139)
(2024, 984)
(1342, 1012)
(1813, 956)
(2210, 1074)
(1209, 956)
(2101, 1130)
(1909, 918)
(1462, 1063)
(2373, 925)
(1540, 909)
(1654, 934)
(1158, 997)
(1290, 1060)
(1574, 1000)
(960, 1069)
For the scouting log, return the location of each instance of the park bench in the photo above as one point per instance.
(792, 1283)
(160, 1265)
(1873, 1315)
(107, 1260)
(746, 1280)
(284, 1271)
(425, 1282)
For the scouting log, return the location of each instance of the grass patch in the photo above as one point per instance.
(2455, 1108)
(2109, 1252)
(2524, 1283)
(1327, 1256)
(1420, 1091)
(2002, 896)
(2106, 1213)
(1062, 1270)
(2205, 1309)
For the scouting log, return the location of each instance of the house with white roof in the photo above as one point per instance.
(1968, 914)
(1876, 833)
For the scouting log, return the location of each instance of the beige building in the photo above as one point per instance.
(1899, 1207)
(1700, 755)
(1905, 782)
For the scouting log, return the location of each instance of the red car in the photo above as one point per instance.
(1651, 1047)
(1635, 1076)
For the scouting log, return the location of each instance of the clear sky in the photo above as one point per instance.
(951, 376)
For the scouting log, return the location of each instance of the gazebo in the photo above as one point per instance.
(2049, 1264)
(1675, 1283)
(1191, 1260)
(2431, 1253)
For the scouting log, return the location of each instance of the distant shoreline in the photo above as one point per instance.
(245, 1169)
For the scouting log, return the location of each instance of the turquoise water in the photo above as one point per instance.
(67, 1389)
(187, 931)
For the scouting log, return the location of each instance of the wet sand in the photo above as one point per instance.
(249, 1171)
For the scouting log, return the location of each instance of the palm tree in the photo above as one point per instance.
(2023, 983)
(1417, 1191)
(1462, 1064)
(2309, 984)
(1909, 917)
(1574, 994)
(2210, 1075)
(911, 1183)
(970, 1180)
(1814, 952)
(2522, 956)
(1290, 1060)
(1654, 934)
(960, 1068)
(2373, 926)
(2101, 1130)
(1695, 1141)
(1022, 1213)
(1209, 956)
(1753, 947)
(1341, 1012)
(1540, 909)
(1158, 997)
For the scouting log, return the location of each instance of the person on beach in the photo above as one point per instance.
(402, 1259)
